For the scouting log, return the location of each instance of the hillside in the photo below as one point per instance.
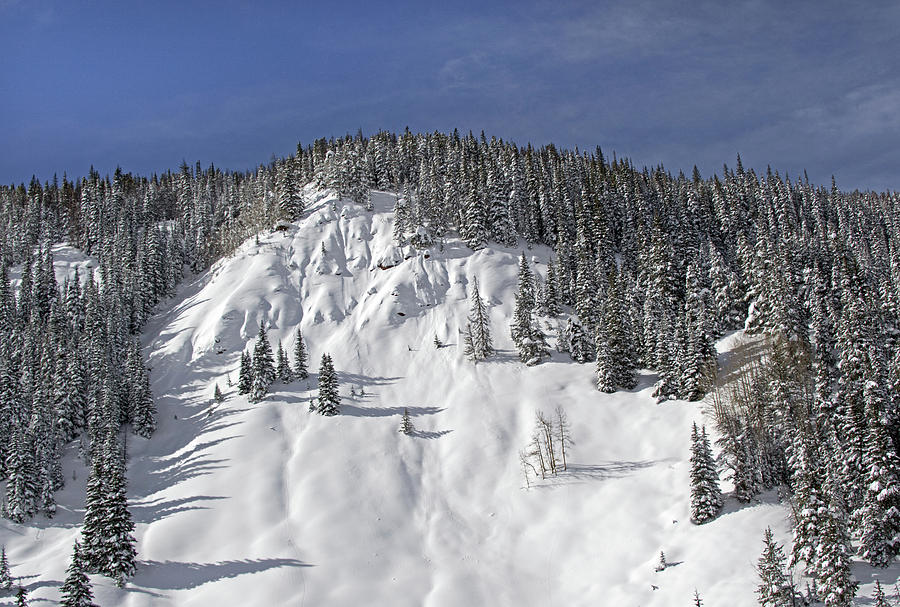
(261, 504)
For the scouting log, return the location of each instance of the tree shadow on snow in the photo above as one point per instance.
(37, 585)
(732, 504)
(580, 473)
(645, 379)
(167, 476)
(606, 470)
(427, 434)
(159, 509)
(174, 575)
(357, 411)
(502, 356)
(355, 379)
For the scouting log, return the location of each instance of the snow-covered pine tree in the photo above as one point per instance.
(614, 361)
(577, 343)
(46, 456)
(479, 344)
(668, 367)
(300, 357)
(143, 411)
(878, 598)
(406, 425)
(699, 355)
(329, 401)
(706, 497)
(6, 579)
(288, 191)
(218, 397)
(22, 487)
(550, 295)
(76, 590)
(740, 454)
(534, 346)
(245, 375)
(661, 564)
(402, 218)
(774, 588)
(606, 361)
(524, 304)
(22, 597)
(107, 532)
(263, 366)
(877, 522)
(283, 370)
(69, 394)
(834, 579)
(474, 229)
(810, 508)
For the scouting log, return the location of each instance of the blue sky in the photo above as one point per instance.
(812, 85)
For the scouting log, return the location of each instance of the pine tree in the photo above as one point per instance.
(478, 332)
(706, 497)
(834, 578)
(108, 546)
(218, 397)
(282, 368)
(22, 488)
(878, 596)
(661, 565)
(533, 347)
(615, 367)
(810, 508)
(402, 219)
(143, 411)
(6, 579)
(300, 358)
(774, 588)
(667, 357)
(263, 367)
(474, 228)
(577, 343)
(22, 597)
(329, 400)
(550, 293)
(76, 590)
(741, 455)
(877, 522)
(245, 375)
(525, 301)
(406, 425)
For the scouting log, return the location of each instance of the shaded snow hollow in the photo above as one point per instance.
(268, 504)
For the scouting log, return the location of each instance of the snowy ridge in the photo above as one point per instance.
(267, 504)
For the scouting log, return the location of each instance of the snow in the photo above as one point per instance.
(268, 504)
(66, 260)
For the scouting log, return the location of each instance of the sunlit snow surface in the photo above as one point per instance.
(267, 504)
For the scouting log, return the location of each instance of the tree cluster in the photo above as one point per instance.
(547, 453)
(258, 371)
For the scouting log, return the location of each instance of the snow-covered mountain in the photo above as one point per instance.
(269, 504)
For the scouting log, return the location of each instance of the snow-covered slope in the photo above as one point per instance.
(268, 504)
